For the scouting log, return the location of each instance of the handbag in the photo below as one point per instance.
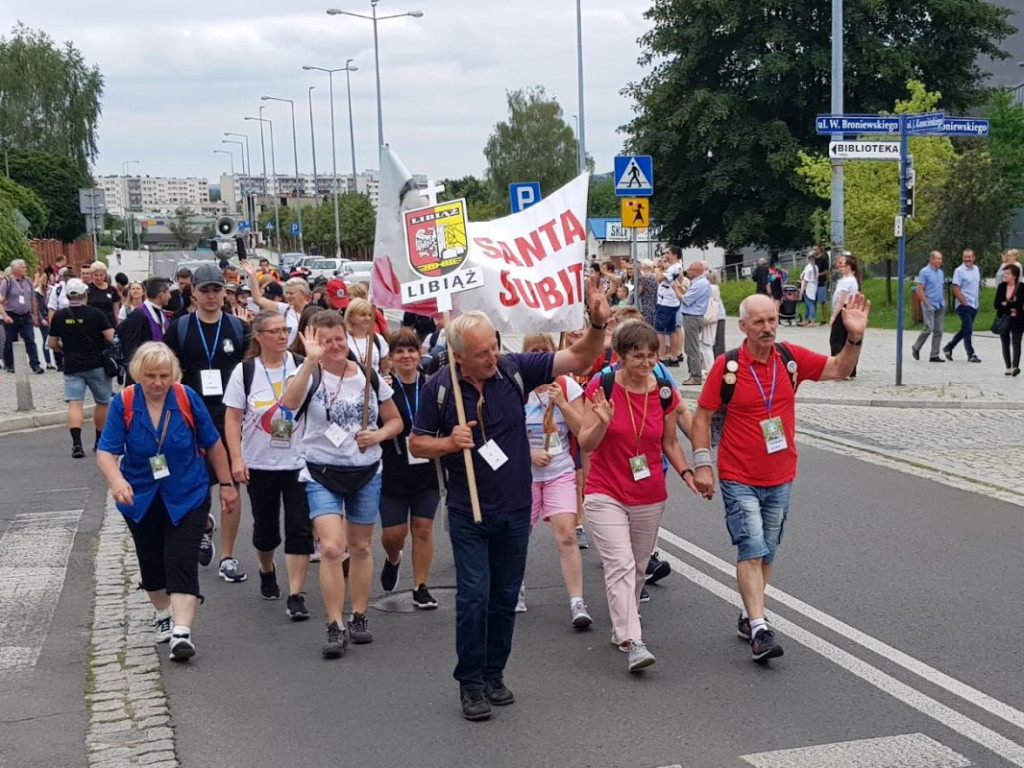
(343, 481)
(1000, 325)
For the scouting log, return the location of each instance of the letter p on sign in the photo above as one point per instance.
(523, 194)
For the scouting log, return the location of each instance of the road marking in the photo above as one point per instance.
(33, 563)
(63, 490)
(994, 742)
(935, 677)
(910, 750)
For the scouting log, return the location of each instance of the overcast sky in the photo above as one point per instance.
(178, 75)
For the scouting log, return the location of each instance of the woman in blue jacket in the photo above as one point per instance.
(161, 428)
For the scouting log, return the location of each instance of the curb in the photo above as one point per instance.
(35, 420)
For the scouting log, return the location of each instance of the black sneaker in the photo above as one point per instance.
(764, 647)
(645, 596)
(475, 706)
(77, 452)
(422, 599)
(296, 607)
(657, 569)
(948, 353)
(358, 629)
(389, 573)
(268, 585)
(743, 627)
(334, 645)
(672, 362)
(916, 353)
(498, 694)
(936, 360)
(973, 359)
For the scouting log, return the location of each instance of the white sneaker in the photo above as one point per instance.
(182, 647)
(639, 657)
(521, 603)
(581, 618)
(162, 627)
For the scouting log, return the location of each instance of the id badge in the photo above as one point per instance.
(492, 454)
(336, 435)
(639, 467)
(158, 464)
(553, 443)
(281, 430)
(211, 383)
(21, 299)
(774, 435)
(408, 452)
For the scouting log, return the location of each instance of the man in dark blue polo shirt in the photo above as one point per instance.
(490, 556)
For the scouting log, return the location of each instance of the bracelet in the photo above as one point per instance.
(683, 473)
(702, 458)
(598, 327)
(854, 343)
(226, 485)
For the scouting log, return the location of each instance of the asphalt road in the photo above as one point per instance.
(912, 564)
(165, 263)
(42, 705)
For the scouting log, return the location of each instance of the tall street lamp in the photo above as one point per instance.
(376, 53)
(129, 220)
(581, 139)
(312, 141)
(241, 189)
(250, 204)
(295, 149)
(334, 153)
(273, 169)
(232, 156)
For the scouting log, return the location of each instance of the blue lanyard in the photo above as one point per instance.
(284, 377)
(771, 395)
(405, 397)
(216, 338)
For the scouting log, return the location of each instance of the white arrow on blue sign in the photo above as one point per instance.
(857, 124)
(523, 194)
(930, 122)
(634, 176)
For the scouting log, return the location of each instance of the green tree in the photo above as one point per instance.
(13, 243)
(734, 87)
(483, 202)
(358, 221)
(872, 188)
(50, 97)
(183, 226)
(535, 144)
(1006, 141)
(25, 200)
(602, 201)
(56, 180)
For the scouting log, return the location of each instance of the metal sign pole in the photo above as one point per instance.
(902, 257)
(633, 258)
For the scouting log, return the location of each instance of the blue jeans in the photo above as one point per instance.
(967, 315)
(810, 310)
(25, 326)
(755, 516)
(490, 558)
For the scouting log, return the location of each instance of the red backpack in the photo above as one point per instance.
(184, 405)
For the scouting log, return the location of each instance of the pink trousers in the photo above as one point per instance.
(625, 537)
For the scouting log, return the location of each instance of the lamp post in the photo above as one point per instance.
(334, 153)
(273, 169)
(581, 137)
(295, 149)
(129, 220)
(232, 156)
(250, 206)
(241, 154)
(376, 53)
(312, 140)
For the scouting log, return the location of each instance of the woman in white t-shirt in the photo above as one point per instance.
(846, 287)
(360, 320)
(809, 290)
(296, 297)
(553, 411)
(342, 467)
(263, 441)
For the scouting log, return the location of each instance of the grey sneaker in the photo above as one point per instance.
(581, 618)
(358, 629)
(162, 627)
(581, 538)
(639, 657)
(334, 645)
(230, 572)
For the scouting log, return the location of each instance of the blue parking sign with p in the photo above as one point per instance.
(295, 229)
(523, 194)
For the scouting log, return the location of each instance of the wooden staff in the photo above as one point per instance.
(460, 409)
(368, 367)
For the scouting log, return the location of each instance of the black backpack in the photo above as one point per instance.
(506, 368)
(314, 384)
(665, 388)
(727, 389)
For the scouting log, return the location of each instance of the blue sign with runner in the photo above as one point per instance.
(930, 122)
(857, 124)
(634, 176)
(523, 194)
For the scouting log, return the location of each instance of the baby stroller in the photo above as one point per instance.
(790, 297)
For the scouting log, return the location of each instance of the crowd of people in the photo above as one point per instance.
(331, 423)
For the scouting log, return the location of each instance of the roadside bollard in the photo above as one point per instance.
(23, 387)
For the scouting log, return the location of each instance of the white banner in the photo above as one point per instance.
(533, 263)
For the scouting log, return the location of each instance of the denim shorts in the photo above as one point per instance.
(665, 319)
(96, 380)
(360, 507)
(755, 516)
(822, 296)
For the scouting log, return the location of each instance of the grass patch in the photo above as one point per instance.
(883, 313)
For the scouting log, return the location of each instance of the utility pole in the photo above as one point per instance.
(837, 209)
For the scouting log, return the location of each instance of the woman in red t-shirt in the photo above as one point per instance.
(626, 434)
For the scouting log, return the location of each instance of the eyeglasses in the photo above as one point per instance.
(211, 289)
(641, 358)
(275, 331)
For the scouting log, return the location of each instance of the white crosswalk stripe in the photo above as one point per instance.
(33, 563)
(909, 750)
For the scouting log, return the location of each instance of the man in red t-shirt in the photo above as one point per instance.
(757, 455)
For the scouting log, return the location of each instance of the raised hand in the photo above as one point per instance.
(248, 267)
(314, 351)
(600, 312)
(855, 315)
(604, 409)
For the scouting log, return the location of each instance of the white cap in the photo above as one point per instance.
(75, 287)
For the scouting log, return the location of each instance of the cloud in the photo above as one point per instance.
(178, 76)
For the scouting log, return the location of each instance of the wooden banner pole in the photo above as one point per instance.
(460, 409)
(368, 370)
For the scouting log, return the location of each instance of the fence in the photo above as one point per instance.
(79, 253)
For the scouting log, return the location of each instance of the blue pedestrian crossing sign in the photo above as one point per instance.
(634, 176)
(270, 225)
(243, 226)
(295, 229)
(523, 194)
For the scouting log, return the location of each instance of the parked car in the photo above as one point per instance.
(356, 271)
(288, 261)
(322, 267)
